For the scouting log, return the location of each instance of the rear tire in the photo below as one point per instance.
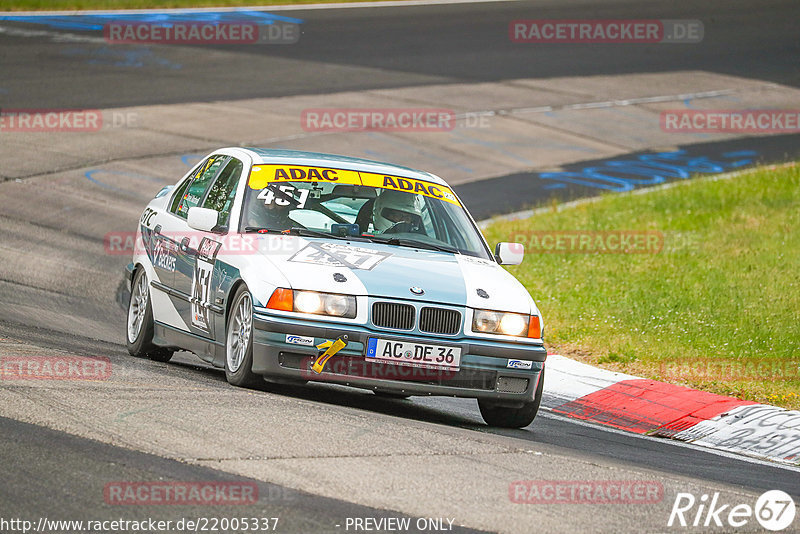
(239, 341)
(504, 417)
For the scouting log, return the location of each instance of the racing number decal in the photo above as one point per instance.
(338, 255)
(201, 293)
(201, 283)
(269, 196)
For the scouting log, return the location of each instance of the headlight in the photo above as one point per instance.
(307, 302)
(313, 302)
(506, 323)
(339, 305)
(485, 321)
(513, 325)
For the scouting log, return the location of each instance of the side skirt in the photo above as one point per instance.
(207, 350)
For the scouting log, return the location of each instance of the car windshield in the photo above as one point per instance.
(399, 211)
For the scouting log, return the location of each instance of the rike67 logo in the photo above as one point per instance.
(774, 511)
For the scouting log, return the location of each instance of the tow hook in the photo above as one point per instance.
(333, 347)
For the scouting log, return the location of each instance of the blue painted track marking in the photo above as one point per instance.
(95, 22)
(190, 160)
(648, 169)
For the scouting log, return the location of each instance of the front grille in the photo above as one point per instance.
(393, 315)
(439, 321)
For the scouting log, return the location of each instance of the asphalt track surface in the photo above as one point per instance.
(417, 46)
(323, 454)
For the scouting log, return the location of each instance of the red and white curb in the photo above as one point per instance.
(655, 408)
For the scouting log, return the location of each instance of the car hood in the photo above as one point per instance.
(378, 270)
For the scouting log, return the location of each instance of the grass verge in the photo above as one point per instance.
(715, 307)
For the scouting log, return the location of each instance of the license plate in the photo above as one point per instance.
(414, 354)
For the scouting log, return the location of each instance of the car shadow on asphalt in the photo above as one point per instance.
(349, 397)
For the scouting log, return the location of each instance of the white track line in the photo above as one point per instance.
(603, 104)
(624, 102)
(55, 36)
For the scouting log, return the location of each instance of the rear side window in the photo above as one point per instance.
(220, 196)
(193, 195)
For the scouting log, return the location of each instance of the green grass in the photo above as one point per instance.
(718, 308)
(74, 5)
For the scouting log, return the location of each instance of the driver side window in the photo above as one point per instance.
(221, 195)
(194, 193)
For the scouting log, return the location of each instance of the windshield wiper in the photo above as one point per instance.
(307, 232)
(251, 229)
(296, 230)
(414, 243)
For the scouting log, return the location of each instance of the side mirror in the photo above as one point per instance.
(202, 219)
(509, 253)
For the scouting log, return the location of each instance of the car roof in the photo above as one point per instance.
(266, 156)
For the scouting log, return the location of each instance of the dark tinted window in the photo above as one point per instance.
(194, 194)
(220, 196)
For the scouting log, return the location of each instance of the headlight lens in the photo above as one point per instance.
(307, 302)
(506, 323)
(513, 325)
(313, 302)
(337, 305)
(485, 321)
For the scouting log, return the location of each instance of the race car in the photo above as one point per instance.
(290, 267)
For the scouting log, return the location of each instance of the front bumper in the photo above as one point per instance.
(483, 372)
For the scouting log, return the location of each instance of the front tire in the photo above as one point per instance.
(140, 325)
(239, 341)
(504, 417)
